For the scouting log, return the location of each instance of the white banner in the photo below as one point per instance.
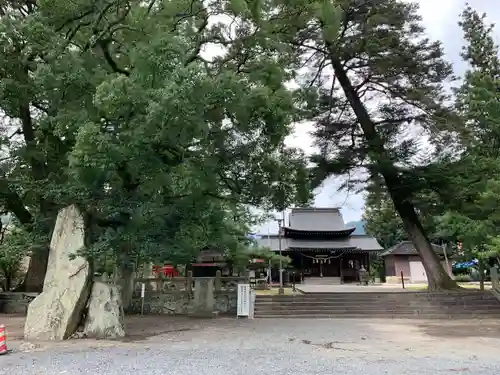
(243, 299)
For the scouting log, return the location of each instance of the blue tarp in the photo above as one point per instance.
(468, 264)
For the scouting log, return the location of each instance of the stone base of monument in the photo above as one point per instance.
(105, 318)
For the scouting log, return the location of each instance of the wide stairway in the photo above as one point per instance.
(418, 305)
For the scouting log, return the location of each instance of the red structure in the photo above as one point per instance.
(167, 270)
(3, 341)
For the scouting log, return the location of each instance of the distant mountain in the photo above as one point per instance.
(359, 225)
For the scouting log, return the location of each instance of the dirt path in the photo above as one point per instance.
(443, 335)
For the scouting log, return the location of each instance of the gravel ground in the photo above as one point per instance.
(276, 347)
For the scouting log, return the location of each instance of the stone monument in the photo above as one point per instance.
(56, 313)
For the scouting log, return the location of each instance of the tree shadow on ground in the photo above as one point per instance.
(472, 328)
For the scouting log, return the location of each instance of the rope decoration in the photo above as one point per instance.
(322, 259)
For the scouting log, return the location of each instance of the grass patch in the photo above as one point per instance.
(275, 292)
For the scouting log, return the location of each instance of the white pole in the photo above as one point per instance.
(281, 291)
(270, 265)
(143, 294)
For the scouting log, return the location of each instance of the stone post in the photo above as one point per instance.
(204, 300)
(149, 272)
(159, 282)
(218, 281)
(494, 278)
(189, 281)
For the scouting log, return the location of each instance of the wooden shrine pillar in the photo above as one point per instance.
(341, 260)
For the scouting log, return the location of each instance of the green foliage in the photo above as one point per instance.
(382, 221)
(472, 204)
(380, 45)
(113, 106)
(374, 81)
(269, 256)
(14, 247)
(458, 193)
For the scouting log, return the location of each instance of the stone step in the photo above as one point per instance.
(386, 316)
(378, 296)
(382, 295)
(396, 292)
(380, 302)
(378, 308)
(414, 305)
(371, 307)
(402, 291)
(369, 310)
(404, 300)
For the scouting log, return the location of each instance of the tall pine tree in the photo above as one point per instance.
(374, 85)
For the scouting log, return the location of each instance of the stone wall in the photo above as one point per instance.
(180, 303)
(163, 296)
(15, 303)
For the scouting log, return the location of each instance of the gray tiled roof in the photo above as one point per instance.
(362, 242)
(407, 248)
(316, 219)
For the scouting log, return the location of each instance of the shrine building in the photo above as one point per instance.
(321, 247)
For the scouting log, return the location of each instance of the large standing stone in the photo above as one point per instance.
(105, 314)
(57, 311)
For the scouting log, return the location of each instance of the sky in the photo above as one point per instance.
(440, 19)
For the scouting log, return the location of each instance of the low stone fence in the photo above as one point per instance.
(15, 303)
(176, 295)
(162, 296)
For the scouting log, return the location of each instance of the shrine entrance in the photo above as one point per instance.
(330, 263)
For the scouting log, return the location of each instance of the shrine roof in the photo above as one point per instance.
(358, 242)
(316, 219)
(408, 248)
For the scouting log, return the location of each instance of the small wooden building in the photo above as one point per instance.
(403, 257)
(322, 249)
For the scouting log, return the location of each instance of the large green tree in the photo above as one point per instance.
(472, 214)
(460, 190)
(162, 146)
(374, 82)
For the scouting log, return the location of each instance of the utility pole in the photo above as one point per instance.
(281, 291)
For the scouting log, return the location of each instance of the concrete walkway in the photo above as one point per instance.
(347, 288)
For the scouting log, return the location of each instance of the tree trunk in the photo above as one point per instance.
(35, 275)
(8, 283)
(126, 283)
(481, 274)
(437, 277)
